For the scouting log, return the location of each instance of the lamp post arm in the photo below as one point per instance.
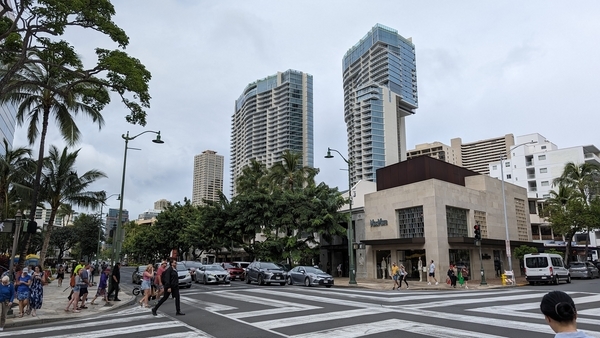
(342, 156)
(127, 138)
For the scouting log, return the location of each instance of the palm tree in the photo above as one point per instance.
(62, 185)
(44, 91)
(253, 178)
(559, 211)
(289, 172)
(585, 179)
(15, 166)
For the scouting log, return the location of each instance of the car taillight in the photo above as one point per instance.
(525, 271)
(551, 271)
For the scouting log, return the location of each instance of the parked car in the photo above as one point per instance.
(235, 272)
(309, 276)
(547, 268)
(192, 266)
(185, 279)
(265, 272)
(212, 273)
(138, 274)
(583, 270)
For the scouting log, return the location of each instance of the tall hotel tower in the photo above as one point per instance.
(272, 115)
(208, 177)
(380, 90)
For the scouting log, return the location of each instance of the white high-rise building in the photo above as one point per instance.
(534, 163)
(271, 116)
(208, 177)
(380, 90)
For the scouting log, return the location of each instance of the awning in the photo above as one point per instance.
(388, 241)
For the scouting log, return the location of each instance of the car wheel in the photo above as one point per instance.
(189, 286)
(306, 281)
(556, 280)
(569, 279)
(328, 286)
(531, 283)
(248, 280)
(260, 280)
(136, 291)
(289, 281)
(282, 284)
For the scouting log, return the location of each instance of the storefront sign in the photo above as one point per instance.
(378, 222)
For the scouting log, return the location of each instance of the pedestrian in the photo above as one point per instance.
(7, 296)
(452, 276)
(432, 273)
(36, 297)
(23, 283)
(403, 276)
(171, 285)
(395, 276)
(560, 313)
(60, 275)
(339, 270)
(74, 300)
(101, 292)
(85, 282)
(497, 267)
(157, 279)
(464, 272)
(147, 285)
(115, 279)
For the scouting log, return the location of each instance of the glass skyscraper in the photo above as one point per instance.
(273, 115)
(380, 90)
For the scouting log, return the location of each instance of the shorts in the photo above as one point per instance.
(22, 295)
(146, 285)
(83, 290)
(100, 292)
(466, 279)
(76, 288)
(60, 276)
(432, 274)
(159, 287)
(395, 277)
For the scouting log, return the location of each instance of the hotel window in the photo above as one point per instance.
(543, 170)
(456, 219)
(508, 176)
(543, 147)
(507, 164)
(541, 157)
(545, 183)
(494, 167)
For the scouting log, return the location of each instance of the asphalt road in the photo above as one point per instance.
(241, 310)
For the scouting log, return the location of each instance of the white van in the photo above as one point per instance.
(547, 268)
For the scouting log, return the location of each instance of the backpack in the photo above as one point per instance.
(72, 281)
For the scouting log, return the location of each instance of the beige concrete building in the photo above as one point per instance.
(208, 177)
(161, 204)
(425, 209)
(436, 150)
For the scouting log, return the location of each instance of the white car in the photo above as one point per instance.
(545, 268)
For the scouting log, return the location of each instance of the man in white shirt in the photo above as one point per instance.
(432, 273)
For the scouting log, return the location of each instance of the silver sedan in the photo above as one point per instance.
(583, 270)
(309, 276)
(212, 273)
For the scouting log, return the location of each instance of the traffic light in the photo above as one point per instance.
(477, 232)
(31, 227)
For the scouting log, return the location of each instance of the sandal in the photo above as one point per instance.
(76, 311)
(20, 315)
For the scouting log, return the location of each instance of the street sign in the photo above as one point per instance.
(6, 226)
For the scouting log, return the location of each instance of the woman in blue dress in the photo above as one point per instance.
(23, 283)
(36, 295)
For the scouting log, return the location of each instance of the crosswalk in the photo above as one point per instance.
(299, 312)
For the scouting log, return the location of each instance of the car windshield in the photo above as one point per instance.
(213, 268)
(242, 265)
(181, 267)
(229, 266)
(577, 265)
(270, 266)
(193, 264)
(310, 269)
(141, 268)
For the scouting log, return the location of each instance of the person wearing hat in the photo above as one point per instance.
(7, 296)
(102, 287)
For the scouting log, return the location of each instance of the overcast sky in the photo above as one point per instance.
(484, 69)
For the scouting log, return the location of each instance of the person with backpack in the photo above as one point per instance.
(170, 281)
(403, 276)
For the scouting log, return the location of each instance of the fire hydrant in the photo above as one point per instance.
(503, 279)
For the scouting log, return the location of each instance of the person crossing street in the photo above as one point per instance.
(170, 281)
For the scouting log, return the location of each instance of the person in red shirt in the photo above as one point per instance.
(157, 282)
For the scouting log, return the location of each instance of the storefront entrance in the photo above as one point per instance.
(382, 261)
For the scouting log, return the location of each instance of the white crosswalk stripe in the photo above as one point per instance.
(427, 305)
(128, 322)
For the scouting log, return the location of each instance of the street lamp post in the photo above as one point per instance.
(18, 227)
(508, 250)
(352, 271)
(102, 223)
(117, 239)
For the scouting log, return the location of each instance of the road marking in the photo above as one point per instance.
(359, 330)
(255, 299)
(120, 330)
(320, 317)
(276, 311)
(208, 306)
(588, 312)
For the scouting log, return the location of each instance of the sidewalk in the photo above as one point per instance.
(55, 301)
(387, 284)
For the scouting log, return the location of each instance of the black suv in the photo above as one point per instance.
(265, 272)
